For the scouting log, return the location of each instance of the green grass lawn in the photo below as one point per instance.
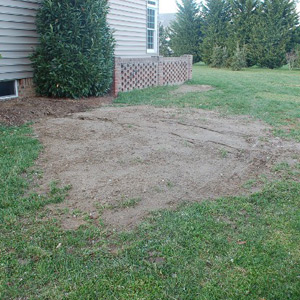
(232, 248)
(270, 95)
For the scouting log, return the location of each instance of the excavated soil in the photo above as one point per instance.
(125, 162)
(19, 111)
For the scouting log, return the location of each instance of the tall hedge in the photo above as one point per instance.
(75, 55)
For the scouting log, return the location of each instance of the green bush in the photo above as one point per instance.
(220, 57)
(292, 59)
(298, 60)
(76, 51)
(239, 59)
(297, 52)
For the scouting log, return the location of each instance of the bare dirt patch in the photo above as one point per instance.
(187, 88)
(114, 155)
(20, 111)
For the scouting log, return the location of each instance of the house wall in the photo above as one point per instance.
(18, 37)
(129, 20)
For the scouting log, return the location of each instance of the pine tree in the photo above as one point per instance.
(272, 33)
(243, 20)
(243, 12)
(185, 31)
(216, 14)
(164, 41)
(75, 55)
(295, 37)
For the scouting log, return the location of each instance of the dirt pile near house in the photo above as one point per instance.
(126, 162)
(20, 111)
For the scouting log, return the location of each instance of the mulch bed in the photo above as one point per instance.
(16, 112)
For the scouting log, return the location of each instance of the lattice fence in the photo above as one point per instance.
(175, 72)
(135, 75)
(141, 73)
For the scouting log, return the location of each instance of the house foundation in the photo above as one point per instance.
(26, 88)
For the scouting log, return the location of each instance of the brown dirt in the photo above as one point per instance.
(160, 156)
(187, 88)
(20, 111)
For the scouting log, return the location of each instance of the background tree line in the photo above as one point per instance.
(235, 33)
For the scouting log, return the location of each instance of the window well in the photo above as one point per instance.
(8, 89)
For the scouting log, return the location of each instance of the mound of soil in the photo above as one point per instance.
(20, 111)
(130, 161)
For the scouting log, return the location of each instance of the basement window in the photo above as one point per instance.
(8, 89)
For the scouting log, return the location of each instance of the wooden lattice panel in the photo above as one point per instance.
(174, 72)
(138, 75)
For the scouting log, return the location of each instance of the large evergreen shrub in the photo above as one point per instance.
(164, 41)
(243, 19)
(216, 22)
(185, 30)
(273, 32)
(75, 55)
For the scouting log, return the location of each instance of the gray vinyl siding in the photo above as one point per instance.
(18, 37)
(128, 18)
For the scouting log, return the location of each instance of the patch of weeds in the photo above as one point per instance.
(287, 133)
(121, 204)
(58, 194)
(62, 211)
(127, 203)
(249, 184)
(170, 184)
(224, 153)
(287, 171)
(32, 176)
(157, 189)
(263, 139)
(283, 166)
(102, 207)
(76, 213)
(263, 179)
